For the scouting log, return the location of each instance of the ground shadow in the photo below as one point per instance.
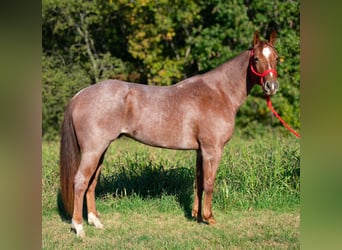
(150, 181)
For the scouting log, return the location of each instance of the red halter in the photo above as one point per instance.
(268, 100)
(263, 74)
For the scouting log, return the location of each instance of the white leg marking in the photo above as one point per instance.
(92, 219)
(78, 228)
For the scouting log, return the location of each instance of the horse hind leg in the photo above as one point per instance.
(93, 216)
(87, 168)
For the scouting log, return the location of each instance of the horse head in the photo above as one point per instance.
(264, 63)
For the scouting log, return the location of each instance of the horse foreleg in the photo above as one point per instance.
(210, 166)
(93, 216)
(197, 207)
(86, 170)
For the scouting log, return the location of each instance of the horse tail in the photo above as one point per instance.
(69, 161)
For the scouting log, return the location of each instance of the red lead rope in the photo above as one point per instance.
(268, 100)
(269, 104)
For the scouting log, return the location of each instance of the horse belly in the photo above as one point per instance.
(171, 142)
(165, 134)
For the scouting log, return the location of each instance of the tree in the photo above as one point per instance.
(158, 37)
(73, 25)
(60, 83)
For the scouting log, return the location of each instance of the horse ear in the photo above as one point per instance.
(273, 37)
(256, 38)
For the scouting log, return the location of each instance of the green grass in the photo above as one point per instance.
(145, 196)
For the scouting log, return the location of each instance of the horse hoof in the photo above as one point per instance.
(194, 213)
(93, 220)
(196, 216)
(211, 221)
(78, 227)
(81, 234)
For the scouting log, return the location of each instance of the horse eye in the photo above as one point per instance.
(256, 59)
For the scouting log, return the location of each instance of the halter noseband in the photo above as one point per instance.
(263, 74)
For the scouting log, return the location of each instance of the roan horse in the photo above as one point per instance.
(197, 113)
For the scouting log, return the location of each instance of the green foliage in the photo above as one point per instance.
(71, 31)
(158, 37)
(60, 83)
(163, 42)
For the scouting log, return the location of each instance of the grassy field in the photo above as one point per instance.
(145, 197)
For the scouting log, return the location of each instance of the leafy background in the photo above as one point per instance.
(162, 42)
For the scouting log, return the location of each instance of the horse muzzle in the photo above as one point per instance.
(271, 87)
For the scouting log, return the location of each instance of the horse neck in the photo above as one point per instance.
(236, 81)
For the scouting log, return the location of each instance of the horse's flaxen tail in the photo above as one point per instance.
(69, 161)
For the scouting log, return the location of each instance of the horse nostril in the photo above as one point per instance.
(267, 86)
(271, 86)
(276, 85)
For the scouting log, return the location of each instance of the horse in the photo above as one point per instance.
(197, 113)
